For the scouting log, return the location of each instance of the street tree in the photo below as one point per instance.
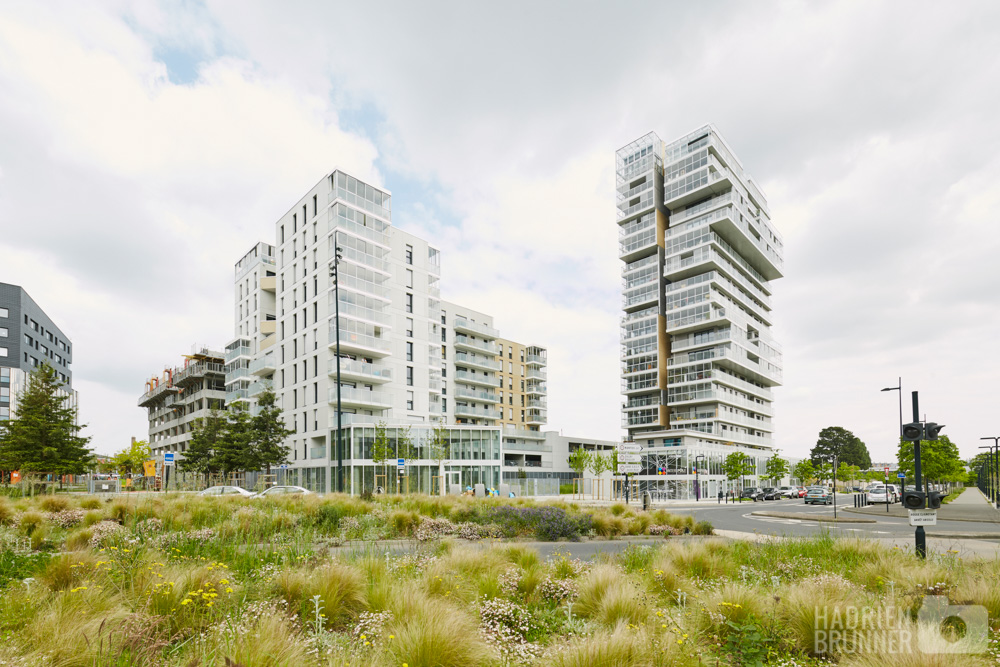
(847, 447)
(130, 459)
(233, 447)
(578, 461)
(381, 447)
(776, 468)
(201, 451)
(438, 450)
(268, 434)
(737, 465)
(44, 436)
(939, 460)
(804, 471)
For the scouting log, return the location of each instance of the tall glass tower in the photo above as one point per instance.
(698, 360)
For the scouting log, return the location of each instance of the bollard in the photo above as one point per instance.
(647, 500)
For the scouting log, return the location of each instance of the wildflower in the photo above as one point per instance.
(185, 601)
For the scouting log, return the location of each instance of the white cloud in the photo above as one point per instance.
(871, 130)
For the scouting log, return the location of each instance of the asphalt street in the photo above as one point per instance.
(739, 517)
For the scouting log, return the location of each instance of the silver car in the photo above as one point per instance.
(277, 491)
(224, 491)
(879, 494)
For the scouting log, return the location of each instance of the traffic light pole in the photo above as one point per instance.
(921, 537)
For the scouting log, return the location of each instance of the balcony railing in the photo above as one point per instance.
(355, 396)
(478, 361)
(464, 325)
(535, 360)
(263, 366)
(478, 345)
(468, 411)
(472, 394)
(236, 352)
(533, 373)
(358, 340)
(355, 368)
(476, 378)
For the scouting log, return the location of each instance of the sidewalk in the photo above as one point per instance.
(971, 505)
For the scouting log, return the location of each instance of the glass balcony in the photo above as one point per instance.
(463, 325)
(536, 373)
(237, 352)
(480, 379)
(352, 369)
(358, 342)
(354, 397)
(535, 359)
(477, 361)
(482, 413)
(472, 394)
(263, 366)
(463, 342)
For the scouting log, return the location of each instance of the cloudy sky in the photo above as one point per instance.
(145, 146)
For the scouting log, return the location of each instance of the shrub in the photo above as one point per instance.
(104, 531)
(403, 522)
(90, 504)
(92, 517)
(67, 518)
(54, 504)
(703, 528)
(430, 529)
(618, 509)
(545, 523)
(31, 521)
(79, 539)
(6, 513)
(432, 633)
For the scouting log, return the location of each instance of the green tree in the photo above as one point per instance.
(381, 447)
(130, 459)
(43, 436)
(233, 447)
(804, 471)
(939, 460)
(598, 464)
(438, 450)
(268, 434)
(205, 435)
(847, 447)
(776, 468)
(578, 461)
(737, 465)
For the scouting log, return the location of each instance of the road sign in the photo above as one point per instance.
(901, 475)
(168, 457)
(630, 458)
(629, 447)
(400, 462)
(923, 517)
(887, 469)
(629, 468)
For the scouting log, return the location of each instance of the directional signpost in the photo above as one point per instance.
(629, 461)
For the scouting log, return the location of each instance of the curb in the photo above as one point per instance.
(802, 517)
(897, 516)
(965, 536)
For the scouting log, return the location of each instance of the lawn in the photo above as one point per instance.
(189, 581)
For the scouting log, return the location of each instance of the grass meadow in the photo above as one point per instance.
(191, 581)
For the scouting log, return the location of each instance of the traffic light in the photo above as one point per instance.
(931, 430)
(913, 500)
(934, 499)
(913, 431)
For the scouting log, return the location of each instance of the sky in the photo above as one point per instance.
(145, 146)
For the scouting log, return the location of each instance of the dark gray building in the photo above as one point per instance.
(28, 338)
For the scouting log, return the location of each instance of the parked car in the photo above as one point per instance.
(770, 493)
(819, 495)
(276, 491)
(879, 494)
(225, 491)
(894, 492)
(789, 491)
(802, 492)
(751, 492)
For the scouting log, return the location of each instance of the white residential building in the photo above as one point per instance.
(698, 360)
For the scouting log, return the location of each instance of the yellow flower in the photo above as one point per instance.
(185, 601)
(229, 590)
(392, 636)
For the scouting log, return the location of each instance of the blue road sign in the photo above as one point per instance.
(168, 457)
(901, 475)
(400, 462)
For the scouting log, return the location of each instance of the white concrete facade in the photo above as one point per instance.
(698, 359)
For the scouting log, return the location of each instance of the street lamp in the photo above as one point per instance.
(990, 491)
(336, 300)
(993, 458)
(899, 388)
(697, 487)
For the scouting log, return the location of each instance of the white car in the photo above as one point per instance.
(879, 494)
(789, 492)
(894, 492)
(225, 491)
(276, 491)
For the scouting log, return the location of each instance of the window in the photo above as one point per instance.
(444, 405)
(510, 367)
(443, 316)
(4, 313)
(409, 278)
(409, 254)
(409, 351)
(409, 303)
(409, 376)
(3, 352)
(315, 208)
(510, 414)
(409, 327)
(4, 332)
(282, 234)
(295, 221)
(409, 400)
(444, 335)
(522, 356)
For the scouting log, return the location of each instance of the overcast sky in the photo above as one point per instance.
(144, 147)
